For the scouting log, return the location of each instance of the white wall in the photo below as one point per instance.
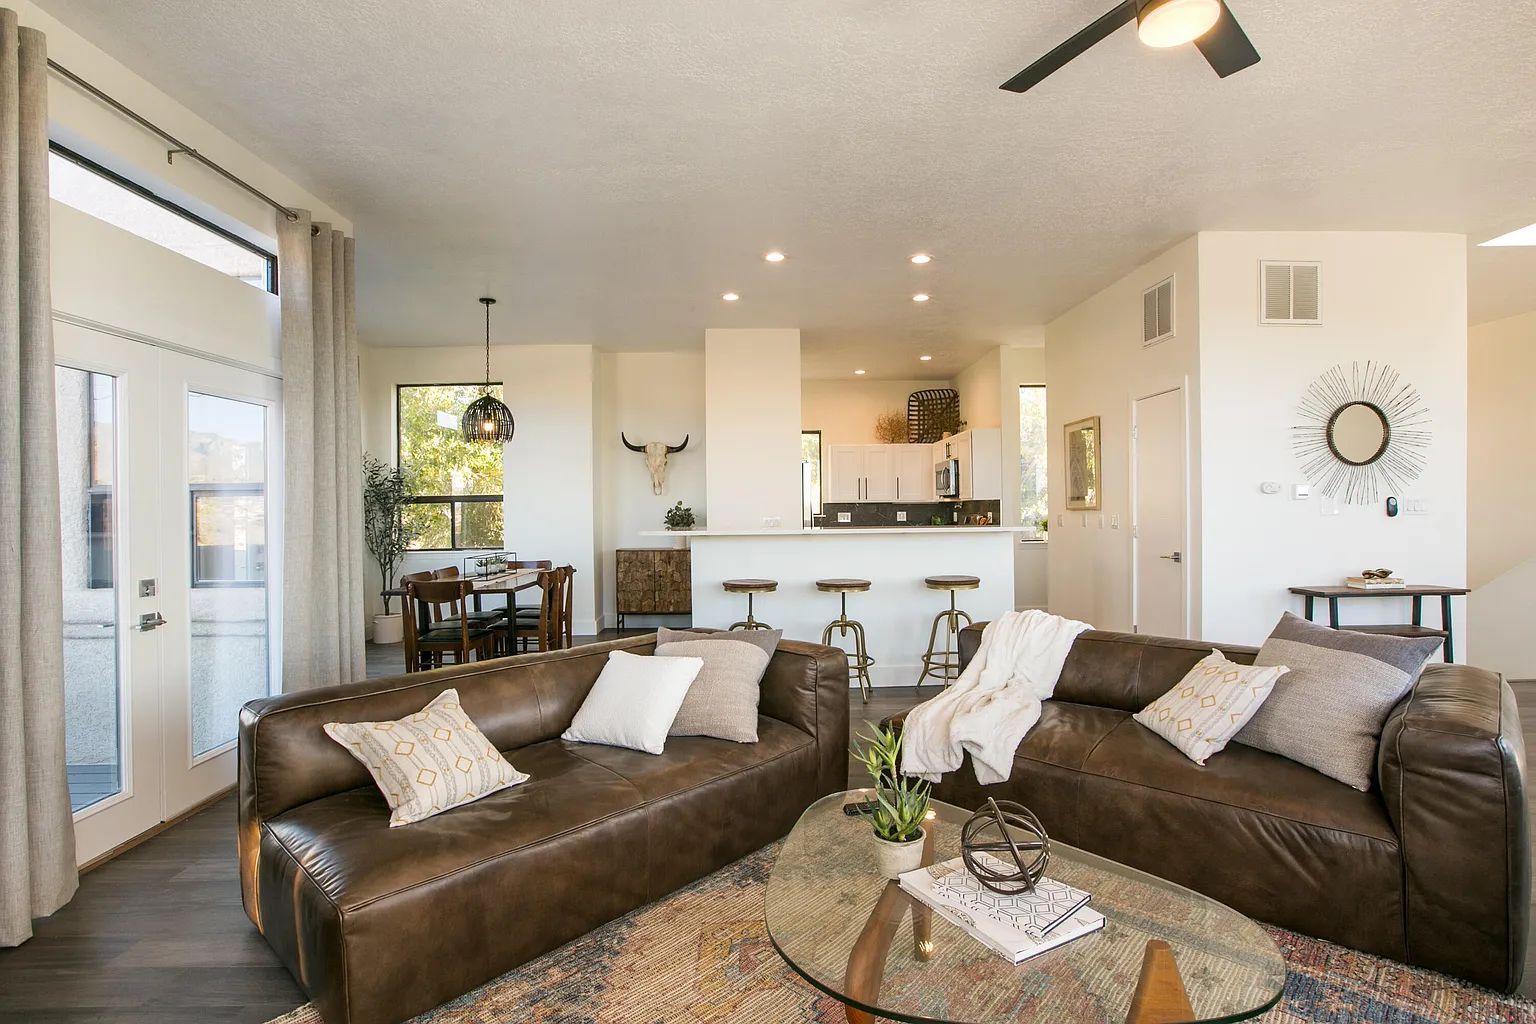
(651, 396)
(1501, 493)
(1018, 365)
(1398, 298)
(980, 387)
(845, 410)
(752, 416)
(1095, 365)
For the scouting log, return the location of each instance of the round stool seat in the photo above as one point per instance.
(952, 582)
(750, 586)
(842, 586)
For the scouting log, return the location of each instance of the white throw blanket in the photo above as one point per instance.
(995, 702)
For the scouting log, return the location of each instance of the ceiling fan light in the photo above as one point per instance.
(1163, 23)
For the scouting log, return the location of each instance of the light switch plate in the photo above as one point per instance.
(1114, 521)
(1415, 506)
(1329, 506)
(1301, 492)
(772, 522)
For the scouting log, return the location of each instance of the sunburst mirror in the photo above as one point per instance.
(1363, 432)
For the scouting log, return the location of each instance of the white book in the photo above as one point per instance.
(941, 886)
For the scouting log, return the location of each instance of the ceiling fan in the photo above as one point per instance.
(1208, 24)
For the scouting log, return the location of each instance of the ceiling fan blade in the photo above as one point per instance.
(1226, 46)
(1079, 44)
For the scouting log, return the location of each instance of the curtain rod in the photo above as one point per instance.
(177, 144)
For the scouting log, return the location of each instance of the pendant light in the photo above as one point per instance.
(487, 419)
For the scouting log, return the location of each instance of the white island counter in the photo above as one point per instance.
(898, 609)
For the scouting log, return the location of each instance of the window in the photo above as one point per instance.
(226, 485)
(1032, 476)
(90, 188)
(456, 484)
(810, 476)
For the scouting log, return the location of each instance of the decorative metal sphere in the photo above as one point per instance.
(1027, 855)
(487, 419)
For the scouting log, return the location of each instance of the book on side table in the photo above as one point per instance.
(1014, 927)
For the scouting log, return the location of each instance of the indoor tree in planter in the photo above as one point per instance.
(901, 804)
(387, 534)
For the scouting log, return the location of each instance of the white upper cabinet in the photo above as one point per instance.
(980, 454)
(878, 472)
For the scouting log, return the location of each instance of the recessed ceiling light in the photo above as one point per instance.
(774, 256)
(1520, 236)
(925, 359)
(920, 297)
(730, 296)
(920, 258)
(858, 373)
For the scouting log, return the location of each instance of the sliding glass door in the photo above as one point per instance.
(164, 469)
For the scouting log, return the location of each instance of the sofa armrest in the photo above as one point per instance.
(1452, 771)
(970, 642)
(806, 686)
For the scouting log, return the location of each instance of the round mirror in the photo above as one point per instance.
(1358, 433)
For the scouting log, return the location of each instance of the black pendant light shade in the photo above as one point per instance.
(487, 419)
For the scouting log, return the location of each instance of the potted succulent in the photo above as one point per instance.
(680, 517)
(901, 809)
(387, 534)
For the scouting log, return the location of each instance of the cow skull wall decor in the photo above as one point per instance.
(655, 458)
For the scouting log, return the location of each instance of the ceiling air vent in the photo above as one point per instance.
(1289, 293)
(1157, 313)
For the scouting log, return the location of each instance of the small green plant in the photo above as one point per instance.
(903, 800)
(680, 517)
(1045, 525)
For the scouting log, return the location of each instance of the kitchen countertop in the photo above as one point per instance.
(833, 531)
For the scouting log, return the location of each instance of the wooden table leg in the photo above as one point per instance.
(1445, 624)
(1160, 997)
(866, 963)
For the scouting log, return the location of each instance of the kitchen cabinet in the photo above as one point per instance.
(878, 472)
(980, 454)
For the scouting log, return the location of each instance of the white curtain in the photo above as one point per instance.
(37, 837)
(323, 451)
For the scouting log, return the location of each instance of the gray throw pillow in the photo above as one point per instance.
(722, 702)
(1328, 711)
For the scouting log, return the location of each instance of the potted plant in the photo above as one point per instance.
(901, 805)
(1045, 526)
(387, 535)
(680, 517)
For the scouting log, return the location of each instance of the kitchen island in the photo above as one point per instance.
(897, 610)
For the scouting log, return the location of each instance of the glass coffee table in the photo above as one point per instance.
(1164, 955)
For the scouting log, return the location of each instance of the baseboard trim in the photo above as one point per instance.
(150, 833)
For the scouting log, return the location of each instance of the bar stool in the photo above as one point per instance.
(750, 588)
(946, 665)
(858, 659)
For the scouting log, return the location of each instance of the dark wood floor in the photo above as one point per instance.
(158, 935)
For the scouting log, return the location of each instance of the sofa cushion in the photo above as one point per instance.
(722, 702)
(345, 845)
(1204, 710)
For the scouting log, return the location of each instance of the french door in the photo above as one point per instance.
(169, 470)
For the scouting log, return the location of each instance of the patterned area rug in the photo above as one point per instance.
(703, 956)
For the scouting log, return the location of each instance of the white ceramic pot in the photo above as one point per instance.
(388, 629)
(895, 858)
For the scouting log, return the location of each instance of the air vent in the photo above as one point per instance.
(1290, 293)
(1157, 313)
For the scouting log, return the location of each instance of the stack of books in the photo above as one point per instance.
(1374, 583)
(1014, 927)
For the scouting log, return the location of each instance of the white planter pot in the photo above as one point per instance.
(388, 629)
(895, 858)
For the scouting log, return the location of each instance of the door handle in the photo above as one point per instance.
(149, 621)
(1177, 556)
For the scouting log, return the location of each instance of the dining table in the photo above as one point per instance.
(506, 582)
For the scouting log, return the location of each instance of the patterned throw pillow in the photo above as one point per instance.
(1329, 712)
(428, 762)
(1210, 704)
(722, 702)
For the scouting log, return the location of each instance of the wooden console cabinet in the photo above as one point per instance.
(653, 581)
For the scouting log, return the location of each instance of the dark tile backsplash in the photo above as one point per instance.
(883, 513)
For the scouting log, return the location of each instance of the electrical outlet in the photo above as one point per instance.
(1416, 506)
(901, 517)
(846, 517)
(772, 522)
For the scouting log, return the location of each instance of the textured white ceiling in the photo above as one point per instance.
(607, 168)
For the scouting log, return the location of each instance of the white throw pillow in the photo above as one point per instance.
(427, 762)
(1210, 704)
(634, 701)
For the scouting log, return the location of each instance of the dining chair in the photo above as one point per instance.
(545, 625)
(478, 617)
(425, 602)
(536, 563)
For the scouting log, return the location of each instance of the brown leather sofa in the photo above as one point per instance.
(1431, 867)
(380, 924)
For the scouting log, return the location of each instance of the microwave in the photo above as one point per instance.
(946, 478)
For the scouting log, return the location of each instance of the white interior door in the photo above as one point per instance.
(164, 469)
(1160, 515)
